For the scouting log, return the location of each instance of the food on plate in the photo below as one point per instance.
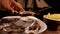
(19, 25)
(15, 24)
(9, 20)
(53, 16)
(13, 28)
(33, 28)
(24, 22)
(4, 25)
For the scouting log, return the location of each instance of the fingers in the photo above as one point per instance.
(7, 5)
(11, 10)
(11, 4)
(18, 5)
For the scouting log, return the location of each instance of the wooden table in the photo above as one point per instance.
(51, 32)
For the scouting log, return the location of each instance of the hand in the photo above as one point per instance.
(11, 5)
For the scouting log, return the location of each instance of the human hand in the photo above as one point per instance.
(11, 5)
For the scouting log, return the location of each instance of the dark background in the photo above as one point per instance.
(55, 8)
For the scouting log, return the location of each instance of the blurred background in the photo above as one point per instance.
(34, 4)
(41, 7)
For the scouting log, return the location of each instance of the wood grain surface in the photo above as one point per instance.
(51, 32)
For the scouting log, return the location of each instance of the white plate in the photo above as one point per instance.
(42, 24)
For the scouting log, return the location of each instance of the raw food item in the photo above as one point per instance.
(24, 22)
(33, 28)
(9, 20)
(4, 25)
(13, 28)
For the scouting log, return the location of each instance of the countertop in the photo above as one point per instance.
(51, 32)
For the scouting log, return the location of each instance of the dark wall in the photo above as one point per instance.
(55, 4)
